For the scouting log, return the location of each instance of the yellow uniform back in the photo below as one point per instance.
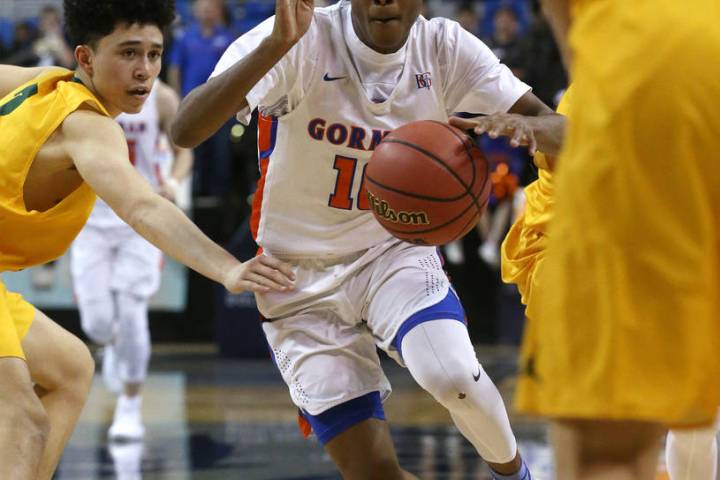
(28, 116)
(624, 321)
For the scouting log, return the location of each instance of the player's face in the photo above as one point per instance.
(124, 66)
(384, 25)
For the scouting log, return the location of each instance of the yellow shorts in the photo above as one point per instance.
(16, 315)
(625, 321)
(523, 248)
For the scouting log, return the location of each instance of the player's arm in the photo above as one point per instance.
(547, 127)
(558, 14)
(101, 158)
(209, 106)
(529, 123)
(167, 103)
(174, 79)
(12, 77)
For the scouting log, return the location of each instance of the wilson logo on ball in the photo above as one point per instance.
(383, 209)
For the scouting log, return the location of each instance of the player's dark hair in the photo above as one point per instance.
(87, 21)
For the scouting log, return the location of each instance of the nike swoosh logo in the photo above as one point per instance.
(477, 377)
(328, 78)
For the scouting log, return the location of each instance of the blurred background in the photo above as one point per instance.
(189, 308)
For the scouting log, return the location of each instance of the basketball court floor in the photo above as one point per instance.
(211, 418)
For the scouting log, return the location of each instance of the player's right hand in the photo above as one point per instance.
(262, 274)
(292, 20)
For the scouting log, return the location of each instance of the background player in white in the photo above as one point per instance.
(116, 271)
(329, 82)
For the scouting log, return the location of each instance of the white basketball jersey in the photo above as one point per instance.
(318, 126)
(142, 132)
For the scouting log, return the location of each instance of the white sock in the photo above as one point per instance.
(692, 454)
(442, 360)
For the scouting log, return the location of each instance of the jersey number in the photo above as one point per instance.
(342, 196)
(8, 107)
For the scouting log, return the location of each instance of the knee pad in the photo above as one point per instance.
(456, 384)
(97, 318)
(442, 360)
(334, 421)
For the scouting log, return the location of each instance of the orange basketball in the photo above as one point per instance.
(428, 183)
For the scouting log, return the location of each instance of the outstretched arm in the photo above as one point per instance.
(102, 160)
(208, 106)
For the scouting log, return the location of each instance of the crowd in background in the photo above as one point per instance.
(225, 169)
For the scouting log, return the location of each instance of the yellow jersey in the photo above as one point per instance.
(525, 243)
(28, 116)
(623, 315)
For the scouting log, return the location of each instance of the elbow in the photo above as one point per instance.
(182, 136)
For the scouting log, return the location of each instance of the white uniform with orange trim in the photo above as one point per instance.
(324, 107)
(107, 252)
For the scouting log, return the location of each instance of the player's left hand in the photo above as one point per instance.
(517, 128)
(261, 274)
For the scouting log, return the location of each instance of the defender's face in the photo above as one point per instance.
(384, 25)
(125, 65)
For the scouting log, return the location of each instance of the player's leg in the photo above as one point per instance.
(357, 438)
(91, 265)
(132, 347)
(605, 450)
(62, 369)
(330, 363)
(24, 425)
(135, 278)
(692, 454)
(419, 320)
(441, 358)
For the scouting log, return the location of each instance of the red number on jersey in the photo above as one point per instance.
(342, 195)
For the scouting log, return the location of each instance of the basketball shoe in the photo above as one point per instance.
(127, 422)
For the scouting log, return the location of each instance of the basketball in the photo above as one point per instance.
(427, 183)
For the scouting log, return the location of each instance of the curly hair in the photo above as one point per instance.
(87, 21)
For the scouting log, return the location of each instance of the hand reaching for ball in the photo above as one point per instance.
(518, 129)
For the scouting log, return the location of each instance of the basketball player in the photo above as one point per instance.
(329, 83)
(690, 453)
(116, 271)
(624, 338)
(58, 147)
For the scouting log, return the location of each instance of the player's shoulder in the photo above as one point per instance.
(88, 124)
(439, 33)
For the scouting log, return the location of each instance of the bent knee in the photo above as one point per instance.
(452, 381)
(79, 364)
(73, 370)
(97, 318)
